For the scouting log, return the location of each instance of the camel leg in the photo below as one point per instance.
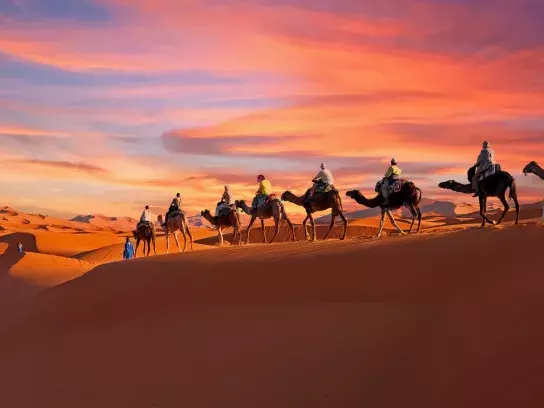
(382, 220)
(345, 225)
(333, 217)
(148, 246)
(304, 228)
(286, 218)
(177, 241)
(414, 214)
(264, 231)
(483, 211)
(184, 238)
(167, 242)
(312, 224)
(506, 207)
(515, 198)
(137, 245)
(190, 236)
(277, 221)
(392, 219)
(220, 236)
(154, 247)
(253, 218)
(418, 219)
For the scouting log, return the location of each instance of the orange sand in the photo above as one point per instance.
(449, 318)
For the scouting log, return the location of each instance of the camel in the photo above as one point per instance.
(176, 223)
(534, 168)
(492, 186)
(144, 233)
(223, 222)
(274, 208)
(408, 197)
(320, 202)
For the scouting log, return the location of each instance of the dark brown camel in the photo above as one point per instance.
(534, 168)
(275, 209)
(409, 196)
(232, 219)
(144, 233)
(492, 186)
(320, 202)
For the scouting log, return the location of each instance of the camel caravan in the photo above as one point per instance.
(485, 179)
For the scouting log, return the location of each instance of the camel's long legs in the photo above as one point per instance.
(286, 218)
(333, 217)
(312, 224)
(253, 218)
(304, 227)
(190, 236)
(220, 236)
(177, 241)
(345, 225)
(167, 235)
(418, 219)
(277, 221)
(264, 231)
(506, 207)
(382, 220)
(414, 215)
(137, 245)
(392, 219)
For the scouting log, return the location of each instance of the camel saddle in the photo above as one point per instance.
(225, 211)
(145, 223)
(324, 188)
(270, 198)
(495, 168)
(394, 187)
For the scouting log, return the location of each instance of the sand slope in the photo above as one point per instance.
(429, 321)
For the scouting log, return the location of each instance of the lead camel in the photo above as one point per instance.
(492, 186)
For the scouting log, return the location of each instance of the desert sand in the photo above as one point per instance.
(447, 318)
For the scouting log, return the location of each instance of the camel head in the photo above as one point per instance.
(353, 194)
(529, 168)
(159, 219)
(285, 196)
(448, 185)
(240, 203)
(135, 234)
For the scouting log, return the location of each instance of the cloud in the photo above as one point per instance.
(64, 165)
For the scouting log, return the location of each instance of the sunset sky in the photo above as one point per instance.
(108, 105)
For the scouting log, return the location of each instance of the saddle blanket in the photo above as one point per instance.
(323, 188)
(495, 168)
(147, 223)
(394, 187)
(225, 210)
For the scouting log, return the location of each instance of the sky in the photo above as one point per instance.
(109, 105)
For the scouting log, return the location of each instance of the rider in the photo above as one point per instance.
(485, 160)
(146, 216)
(174, 206)
(322, 180)
(265, 188)
(225, 202)
(392, 174)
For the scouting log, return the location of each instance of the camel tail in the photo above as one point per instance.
(339, 197)
(513, 192)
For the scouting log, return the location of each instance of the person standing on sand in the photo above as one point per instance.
(19, 247)
(128, 253)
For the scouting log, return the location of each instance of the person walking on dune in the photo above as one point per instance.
(19, 247)
(128, 253)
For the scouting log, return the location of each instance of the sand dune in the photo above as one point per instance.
(433, 320)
